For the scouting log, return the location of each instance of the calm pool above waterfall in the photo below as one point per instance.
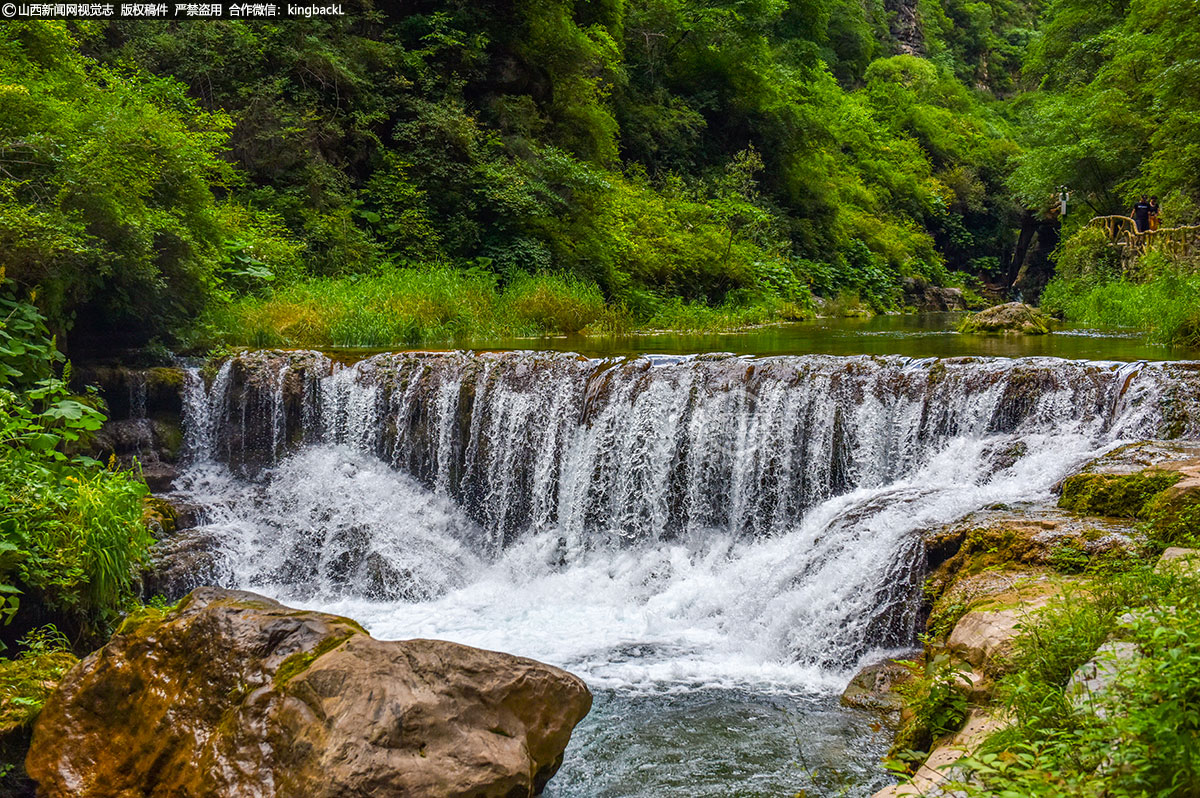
(713, 542)
(914, 335)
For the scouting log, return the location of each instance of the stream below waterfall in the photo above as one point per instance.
(713, 542)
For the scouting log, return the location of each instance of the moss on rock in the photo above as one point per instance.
(1174, 517)
(1114, 495)
(299, 662)
(1011, 318)
(159, 516)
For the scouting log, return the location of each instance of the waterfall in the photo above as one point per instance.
(728, 517)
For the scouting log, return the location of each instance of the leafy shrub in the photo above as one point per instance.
(71, 531)
(1173, 521)
(937, 701)
(1087, 254)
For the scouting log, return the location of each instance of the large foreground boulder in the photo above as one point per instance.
(235, 695)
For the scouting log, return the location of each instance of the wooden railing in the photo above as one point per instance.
(1172, 241)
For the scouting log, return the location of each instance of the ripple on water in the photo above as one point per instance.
(718, 743)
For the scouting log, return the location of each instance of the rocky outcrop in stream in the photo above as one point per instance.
(234, 695)
(144, 407)
(1013, 317)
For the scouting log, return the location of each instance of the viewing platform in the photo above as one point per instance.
(1171, 241)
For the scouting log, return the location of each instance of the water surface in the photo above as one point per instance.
(914, 335)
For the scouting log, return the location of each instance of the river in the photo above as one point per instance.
(714, 542)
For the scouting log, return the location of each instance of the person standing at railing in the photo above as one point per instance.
(1154, 212)
(1141, 214)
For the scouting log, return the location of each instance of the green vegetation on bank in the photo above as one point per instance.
(71, 530)
(1138, 737)
(1130, 730)
(411, 306)
(72, 535)
(1161, 296)
(1115, 117)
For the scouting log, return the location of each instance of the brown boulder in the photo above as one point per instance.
(984, 635)
(233, 694)
(929, 298)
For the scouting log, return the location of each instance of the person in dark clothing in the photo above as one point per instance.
(1141, 215)
(1155, 210)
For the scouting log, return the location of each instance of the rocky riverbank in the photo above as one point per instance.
(997, 574)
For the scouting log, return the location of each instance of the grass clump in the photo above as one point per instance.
(72, 540)
(1173, 520)
(935, 705)
(1145, 740)
(407, 307)
(1158, 295)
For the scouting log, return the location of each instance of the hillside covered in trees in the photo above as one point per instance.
(442, 169)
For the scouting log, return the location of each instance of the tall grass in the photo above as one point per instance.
(678, 315)
(78, 536)
(1161, 297)
(406, 307)
(442, 304)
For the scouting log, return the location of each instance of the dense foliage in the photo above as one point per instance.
(1116, 117)
(677, 157)
(712, 160)
(71, 530)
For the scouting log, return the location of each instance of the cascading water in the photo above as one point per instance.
(654, 523)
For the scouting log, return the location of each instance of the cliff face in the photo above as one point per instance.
(905, 25)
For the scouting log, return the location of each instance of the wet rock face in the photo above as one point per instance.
(1006, 539)
(1014, 317)
(183, 562)
(235, 695)
(926, 297)
(144, 419)
(874, 687)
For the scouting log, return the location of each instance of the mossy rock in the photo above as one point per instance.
(25, 684)
(1114, 495)
(299, 662)
(168, 439)
(166, 378)
(230, 693)
(159, 516)
(1012, 318)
